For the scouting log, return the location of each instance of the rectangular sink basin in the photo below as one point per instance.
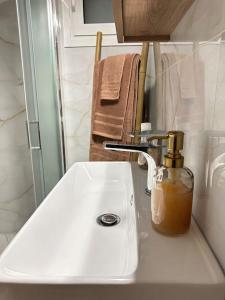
(63, 242)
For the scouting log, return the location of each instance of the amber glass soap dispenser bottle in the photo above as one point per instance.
(172, 193)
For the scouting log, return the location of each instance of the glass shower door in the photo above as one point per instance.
(17, 201)
(42, 98)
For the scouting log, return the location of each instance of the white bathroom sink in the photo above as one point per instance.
(63, 243)
(63, 253)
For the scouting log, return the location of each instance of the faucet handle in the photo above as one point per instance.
(147, 133)
(139, 133)
(152, 137)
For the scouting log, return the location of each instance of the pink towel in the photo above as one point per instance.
(114, 119)
(109, 117)
(112, 77)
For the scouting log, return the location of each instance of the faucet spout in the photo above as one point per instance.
(140, 148)
(126, 147)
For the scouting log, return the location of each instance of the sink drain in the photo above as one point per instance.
(108, 219)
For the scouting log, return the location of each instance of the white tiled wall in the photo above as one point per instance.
(16, 184)
(210, 204)
(204, 146)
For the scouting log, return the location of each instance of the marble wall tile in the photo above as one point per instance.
(77, 91)
(202, 22)
(16, 184)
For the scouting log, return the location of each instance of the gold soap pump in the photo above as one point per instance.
(172, 190)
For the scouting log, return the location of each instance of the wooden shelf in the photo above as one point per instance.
(148, 20)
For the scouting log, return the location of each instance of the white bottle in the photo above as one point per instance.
(142, 162)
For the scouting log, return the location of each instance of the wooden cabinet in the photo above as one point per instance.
(148, 20)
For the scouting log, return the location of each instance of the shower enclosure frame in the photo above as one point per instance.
(42, 93)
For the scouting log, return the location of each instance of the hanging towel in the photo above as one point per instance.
(170, 89)
(187, 77)
(109, 116)
(112, 77)
(182, 100)
(113, 120)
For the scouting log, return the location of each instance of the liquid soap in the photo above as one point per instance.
(172, 193)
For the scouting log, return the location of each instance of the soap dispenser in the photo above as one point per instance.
(172, 191)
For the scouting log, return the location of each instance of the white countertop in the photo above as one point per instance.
(182, 260)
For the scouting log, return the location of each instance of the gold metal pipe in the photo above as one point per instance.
(98, 47)
(158, 86)
(141, 91)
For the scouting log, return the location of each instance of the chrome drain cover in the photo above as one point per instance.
(108, 219)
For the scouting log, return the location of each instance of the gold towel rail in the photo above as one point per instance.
(141, 80)
(158, 85)
(141, 88)
(98, 47)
